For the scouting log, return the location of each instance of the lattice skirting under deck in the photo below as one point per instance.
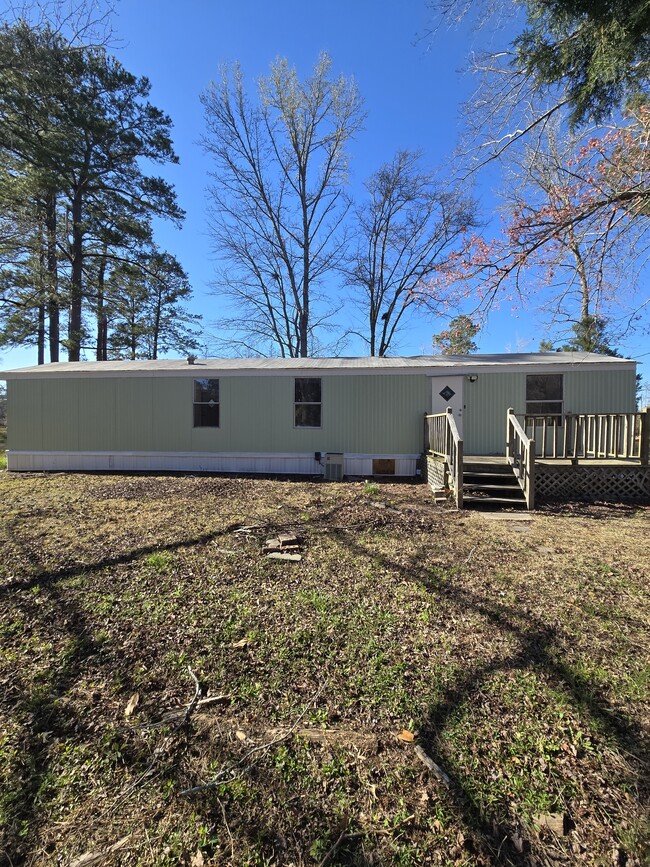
(606, 483)
(436, 474)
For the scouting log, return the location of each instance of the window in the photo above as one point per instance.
(206, 403)
(307, 403)
(544, 394)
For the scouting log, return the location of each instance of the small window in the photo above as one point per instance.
(206, 403)
(307, 403)
(544, 394)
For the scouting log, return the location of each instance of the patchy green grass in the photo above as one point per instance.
(516, 655)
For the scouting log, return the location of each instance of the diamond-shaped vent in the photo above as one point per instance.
(447, 393)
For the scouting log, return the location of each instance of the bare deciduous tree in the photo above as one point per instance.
(404, 232)
(576, 228)
(82, 23)
(278, 199)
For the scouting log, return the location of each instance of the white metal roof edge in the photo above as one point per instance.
(425, 365)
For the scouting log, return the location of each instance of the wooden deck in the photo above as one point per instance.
(556, 462)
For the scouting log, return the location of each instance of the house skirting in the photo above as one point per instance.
(591, 483)
(201, 462)
(435, 470)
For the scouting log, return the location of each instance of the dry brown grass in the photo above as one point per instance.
(516, 652)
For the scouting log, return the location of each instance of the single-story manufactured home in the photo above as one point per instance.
(333, 416)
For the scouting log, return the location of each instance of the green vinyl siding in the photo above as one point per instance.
(606, 391)
(486, 405)
(487, 401)
(361, 414)
(25, 414)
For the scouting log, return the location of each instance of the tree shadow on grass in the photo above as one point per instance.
(39, 707)
(44, 719)
(47, 578)
(539, 648)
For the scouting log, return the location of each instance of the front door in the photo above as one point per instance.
(447, 391)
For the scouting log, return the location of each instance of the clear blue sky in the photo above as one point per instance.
(413, 91)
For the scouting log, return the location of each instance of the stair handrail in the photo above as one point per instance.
(455, 457)
(520, 454)
(442, 439)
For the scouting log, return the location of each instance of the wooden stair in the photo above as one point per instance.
(491, 484)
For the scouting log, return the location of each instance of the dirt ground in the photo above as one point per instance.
(422, 686)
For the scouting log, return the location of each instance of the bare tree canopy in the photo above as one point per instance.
(576, 228)
(82, 23)
(278, 199)
(563, 110)
(404, 232)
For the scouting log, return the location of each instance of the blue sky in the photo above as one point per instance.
(413, 90)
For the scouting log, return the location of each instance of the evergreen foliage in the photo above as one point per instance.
(598, 51)
(77, 133)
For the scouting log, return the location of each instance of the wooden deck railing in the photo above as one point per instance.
(520, 454)
(591, 436)
(441, 438)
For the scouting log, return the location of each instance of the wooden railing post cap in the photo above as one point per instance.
(511, 410)
(449, 410)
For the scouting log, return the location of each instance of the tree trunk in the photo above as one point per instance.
(42, 283)
(156, 326)
(102, 320)
(41, 333)
(53, 308)
(76, 280)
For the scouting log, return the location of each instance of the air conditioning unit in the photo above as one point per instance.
(333, 467)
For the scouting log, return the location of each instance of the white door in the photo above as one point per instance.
(447, 391)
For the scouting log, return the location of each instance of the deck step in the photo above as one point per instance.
(487, 479)
(491, 485)
(473, 486)
(470, 499)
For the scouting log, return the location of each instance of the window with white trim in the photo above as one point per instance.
(545, 394)
(206, 403)
(307, 406)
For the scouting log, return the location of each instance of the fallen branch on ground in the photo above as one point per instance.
(241, 766)
(437, 771)
(346, 837)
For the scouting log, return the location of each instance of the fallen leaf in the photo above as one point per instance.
(406, 736)
(243, 642)
(517, 842)
(198, 859)
(132, 704)
(240, 735)
(554, 821)
(90, 858)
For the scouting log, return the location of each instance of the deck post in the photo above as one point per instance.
(508, 439)
(459, 475)
(427, 444)
(530, 475)
(644, 445)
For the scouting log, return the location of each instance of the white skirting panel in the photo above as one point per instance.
(193, 462)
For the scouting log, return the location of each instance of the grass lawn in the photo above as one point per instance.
(515, 653)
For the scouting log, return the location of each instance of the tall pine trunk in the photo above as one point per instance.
(53, 305)
(42, 283)
(76, 280)
(102, 319)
